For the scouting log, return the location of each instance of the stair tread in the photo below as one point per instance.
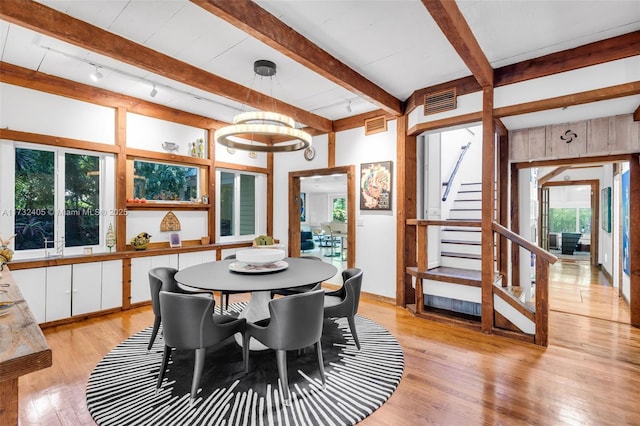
(461, 255)
(465, 242)
(470, 277)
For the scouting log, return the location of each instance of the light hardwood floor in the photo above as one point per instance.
(589, 374)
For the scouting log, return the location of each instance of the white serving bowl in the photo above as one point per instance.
(259, 256)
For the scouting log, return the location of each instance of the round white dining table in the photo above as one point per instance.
(217, 276)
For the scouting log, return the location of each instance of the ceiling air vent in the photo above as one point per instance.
(375, 125)
(440, 101)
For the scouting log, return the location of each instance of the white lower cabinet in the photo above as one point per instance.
(58, 299)
(32, 284)
(96, 286)
(58, 292)
(196, 258)
(140, 267)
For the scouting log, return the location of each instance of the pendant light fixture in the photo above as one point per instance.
(263, 123)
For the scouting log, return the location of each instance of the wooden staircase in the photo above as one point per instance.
(453, 292)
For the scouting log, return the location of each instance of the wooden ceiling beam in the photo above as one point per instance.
(42, 19)
(602, 94)
(611, 49)
(260, 24)
(553, 173)
(455, 28)
(636, 114)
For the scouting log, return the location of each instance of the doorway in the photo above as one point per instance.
(296, 206)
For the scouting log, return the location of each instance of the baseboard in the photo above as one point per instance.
(606, 274)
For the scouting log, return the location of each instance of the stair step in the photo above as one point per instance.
(461, 255)
(465, 242)
(449, 274)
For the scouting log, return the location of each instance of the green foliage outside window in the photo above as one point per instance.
(34, 198)
(339, 213)
(164, 182)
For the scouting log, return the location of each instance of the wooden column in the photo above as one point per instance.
(406, 189)
(211, 184)
(634, 239)
(331, 148)
(503, 203)
(488, 206)
(121, 202)
(270, 193)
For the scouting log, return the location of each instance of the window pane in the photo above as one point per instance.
(247, 205)
(34, 198)
(562, 220)
(82, 200)
(339, 213)
(158, 181)
(585, 220)
(226, 204)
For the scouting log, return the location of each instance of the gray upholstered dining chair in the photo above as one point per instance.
(301, 289)
(344, 301)
(226, 293)
(295, 323)
(188, 324)
(160, 278)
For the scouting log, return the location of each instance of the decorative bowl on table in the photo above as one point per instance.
(259, 256)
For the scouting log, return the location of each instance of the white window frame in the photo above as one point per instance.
(107, 195)
(260, 206)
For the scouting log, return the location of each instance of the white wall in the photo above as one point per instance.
(375, 230)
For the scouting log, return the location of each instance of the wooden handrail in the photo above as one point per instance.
(539, 316)
(508, 234)
(448, 183)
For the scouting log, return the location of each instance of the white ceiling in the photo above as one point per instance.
(393, 43)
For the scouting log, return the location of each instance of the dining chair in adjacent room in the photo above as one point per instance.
(189, 325)
(295, 322)
(344, 301)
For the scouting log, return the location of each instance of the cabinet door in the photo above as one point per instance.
(169, 260)
(58, 298)
(190, 259)
(209, 256)
(140, 279)
(33, 286)
(87, 288)
(111, 284)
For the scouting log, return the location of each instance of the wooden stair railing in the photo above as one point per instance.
(543, 260)
(539, 316)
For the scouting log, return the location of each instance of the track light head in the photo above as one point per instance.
(154, 91)
(96, 75)
(348, 107)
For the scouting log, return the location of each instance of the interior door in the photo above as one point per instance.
(544, 218)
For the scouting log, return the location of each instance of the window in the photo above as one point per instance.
(64, 207)
(241, 196)
(338, 209)
(570, 220)
(164, 182)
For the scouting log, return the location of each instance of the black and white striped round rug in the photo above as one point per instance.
(122, 388)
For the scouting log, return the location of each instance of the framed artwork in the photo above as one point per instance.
(626, 227)
(605, 208)
(376, 185)
(174, 240)
(303, 207)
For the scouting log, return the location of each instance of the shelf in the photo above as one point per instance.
(167, 206)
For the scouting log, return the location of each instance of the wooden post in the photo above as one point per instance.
(422, 262)
(488, 206)
(542, 300)
(406, 191)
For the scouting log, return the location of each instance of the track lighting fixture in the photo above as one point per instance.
(348, 107)
(96, 75)
(154, 91)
